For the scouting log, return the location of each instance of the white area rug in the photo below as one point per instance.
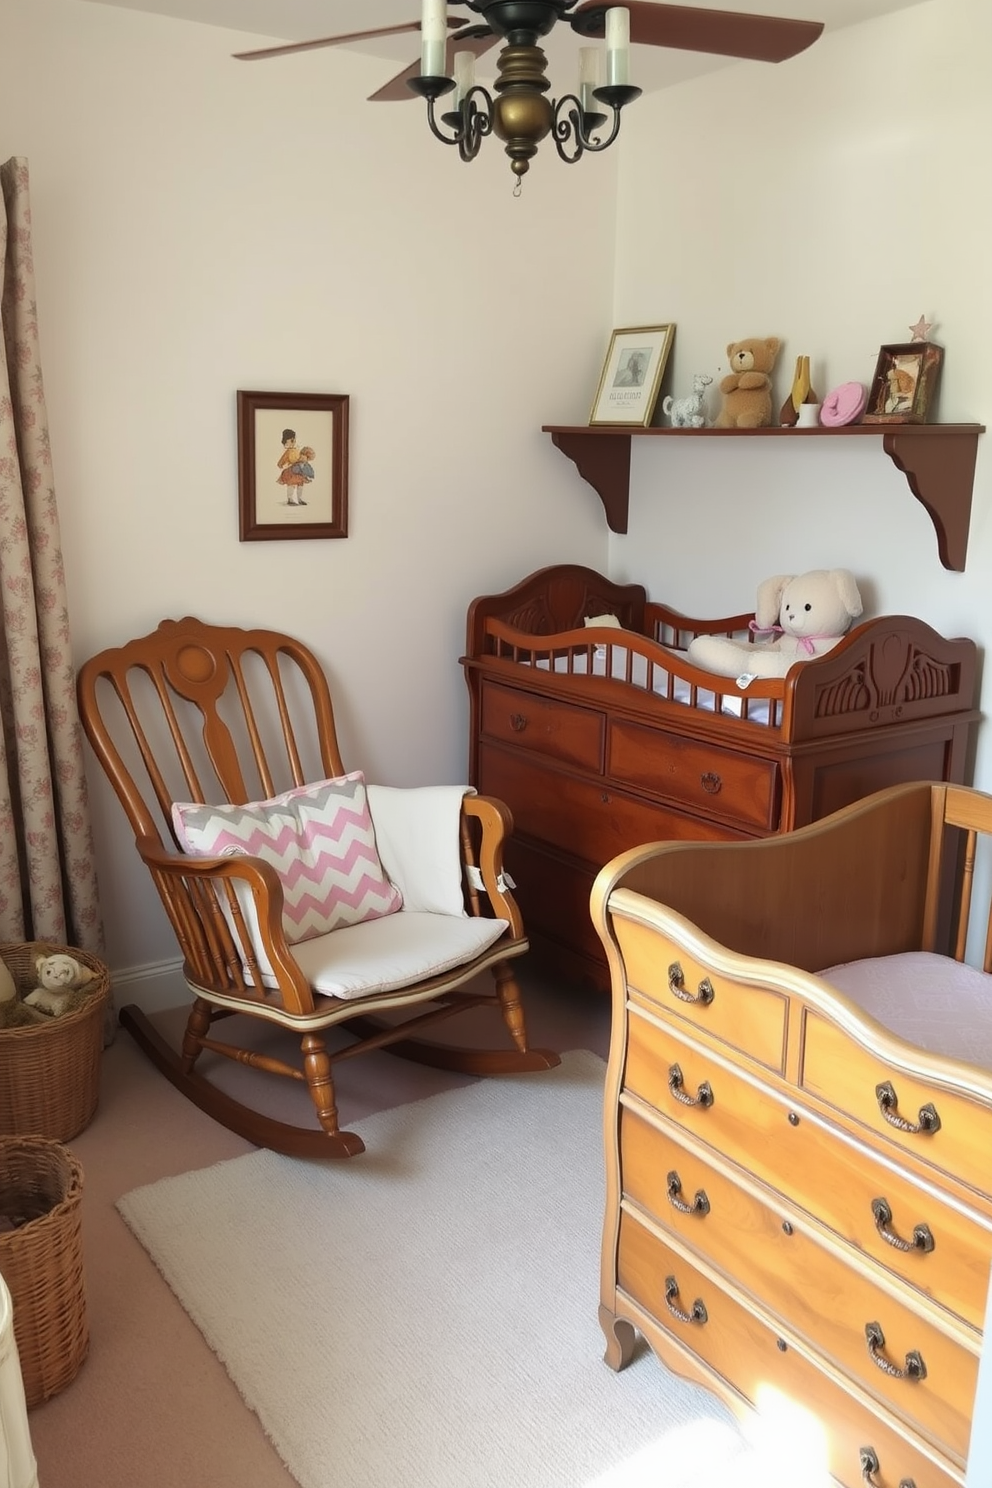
(425, 1315)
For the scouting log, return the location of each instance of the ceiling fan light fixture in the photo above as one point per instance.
(520, 114)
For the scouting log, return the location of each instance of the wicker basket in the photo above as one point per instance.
(41, 1260)
(50, 1072)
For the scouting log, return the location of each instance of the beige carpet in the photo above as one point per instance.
(425, 1316)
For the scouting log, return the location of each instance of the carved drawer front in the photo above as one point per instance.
(587, 820)
(933, 1124)
(752, 1019)
(541, 725)
(834, 1428)
(863, 1199)
(836, 1305)
(695, 774)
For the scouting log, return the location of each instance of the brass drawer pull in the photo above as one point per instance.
(698, 1313)
(711, 783)
(915, 1368)
(888, 1101)
(704, 993)
(922, 1235)
(699, 1205)
(870, 1468)
(703, 1096)
(518, 722)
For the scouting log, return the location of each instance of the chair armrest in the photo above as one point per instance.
(227, 915)
(495, 825)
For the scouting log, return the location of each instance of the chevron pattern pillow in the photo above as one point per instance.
(321, 842)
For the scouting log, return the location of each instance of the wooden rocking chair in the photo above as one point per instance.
(216, 722)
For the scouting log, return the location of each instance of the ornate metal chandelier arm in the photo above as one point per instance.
(575, 129)
(470, 123)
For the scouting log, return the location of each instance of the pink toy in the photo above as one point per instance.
(844, 405)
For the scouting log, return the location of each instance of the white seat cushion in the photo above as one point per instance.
(393, 952)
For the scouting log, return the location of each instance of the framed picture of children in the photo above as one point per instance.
(292, 465)
(905, 384)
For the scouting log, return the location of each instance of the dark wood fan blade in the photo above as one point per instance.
(396, 90)
(757, 38)
(325, 41)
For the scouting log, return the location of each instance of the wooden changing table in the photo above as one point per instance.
(599, 739)
(799, 1197)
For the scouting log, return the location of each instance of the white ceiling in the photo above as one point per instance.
(302, 20)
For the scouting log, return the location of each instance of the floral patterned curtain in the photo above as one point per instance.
(47, 881)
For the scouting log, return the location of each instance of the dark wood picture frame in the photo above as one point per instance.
(905, 384)
(292, 465)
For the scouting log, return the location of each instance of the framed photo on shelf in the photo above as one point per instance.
(905, 382)
(632, 373)
(292, 465)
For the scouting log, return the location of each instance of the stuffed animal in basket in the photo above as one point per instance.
(747, 389)
(59, 976)
(803, 615)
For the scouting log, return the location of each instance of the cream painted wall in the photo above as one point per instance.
(202, 226)
(829, 201)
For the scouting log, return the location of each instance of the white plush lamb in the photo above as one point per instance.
(689, 413)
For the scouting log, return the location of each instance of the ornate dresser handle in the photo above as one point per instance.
(888, 1101)
(704, 993)
(518, 722)
(700, 1204)
(698, 1313)
(870, 1468)
(915, 1368)
(703, 1096)
(711, 783)
(922, 1235)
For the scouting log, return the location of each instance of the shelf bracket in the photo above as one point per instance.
(603, 461)
(940, 473)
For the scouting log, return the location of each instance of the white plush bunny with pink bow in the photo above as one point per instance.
(797, 617)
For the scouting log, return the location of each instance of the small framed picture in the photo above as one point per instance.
(631, 380)
(904, 385)
(292, 465)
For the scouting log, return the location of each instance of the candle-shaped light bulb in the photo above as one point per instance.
(433, 35)
(464, 72)
(617, 46)
(589, 78)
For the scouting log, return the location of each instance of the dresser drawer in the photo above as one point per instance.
(542, 725)
(934, 1125)
(821, 1169)
(832, 1426)
(818, 1292)
(695, 775)
(590, 821)
(751, 1019)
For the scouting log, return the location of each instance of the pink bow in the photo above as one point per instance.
(806, 642)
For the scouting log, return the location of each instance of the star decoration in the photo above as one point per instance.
(921, 329)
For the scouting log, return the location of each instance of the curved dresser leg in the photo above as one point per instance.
(620, 1338)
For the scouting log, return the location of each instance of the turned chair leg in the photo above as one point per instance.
(197, 1029)
(508, 990)
(320, 1081)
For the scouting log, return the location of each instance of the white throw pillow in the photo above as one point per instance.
(417, 831)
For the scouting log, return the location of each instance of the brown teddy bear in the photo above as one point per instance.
(747, 389)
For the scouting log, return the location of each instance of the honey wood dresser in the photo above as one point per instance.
(799, 1185)
(600, 739)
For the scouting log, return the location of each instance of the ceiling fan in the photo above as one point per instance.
(724, 33)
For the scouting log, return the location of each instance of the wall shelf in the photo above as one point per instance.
(938, 461)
